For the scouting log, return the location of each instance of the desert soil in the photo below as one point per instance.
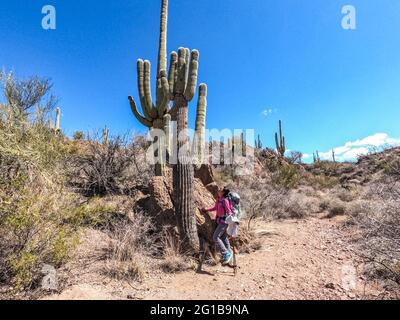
(299, 259)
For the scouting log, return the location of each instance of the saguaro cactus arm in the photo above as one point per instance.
(201, 108)
(193, 75)
(162, 49)
(172, 72)
(138, 116)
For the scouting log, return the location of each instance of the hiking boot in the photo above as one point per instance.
(227, 257)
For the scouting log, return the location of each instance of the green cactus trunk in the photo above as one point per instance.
(183, 86)
(183, 176)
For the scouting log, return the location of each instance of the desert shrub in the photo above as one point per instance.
(295, 157)
(275, 204)
(91, 214)
(345, 195)
(321, 181)
(32, 229)
(134, 269)
(25, 97)
(324, 205)
(378, 218)
(78, 136)
(336, 208)
(327, 167)
(287, 176)
(103, 168)
(33, 197)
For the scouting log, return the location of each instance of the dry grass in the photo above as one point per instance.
(174, 259)
(131, 243)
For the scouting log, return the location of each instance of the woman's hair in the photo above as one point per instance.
(226, 191)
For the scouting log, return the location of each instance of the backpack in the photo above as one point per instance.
(234, 201)
(233, 220)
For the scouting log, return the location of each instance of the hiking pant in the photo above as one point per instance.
(221, 238)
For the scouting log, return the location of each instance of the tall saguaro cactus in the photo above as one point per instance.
(183, 87)
(280, 141)
(156, 115)
(179, 85)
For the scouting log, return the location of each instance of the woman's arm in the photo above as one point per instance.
(213, 208)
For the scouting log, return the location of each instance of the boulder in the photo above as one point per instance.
(158, 203)
(205, 174)
(205, 221)
(213, 189)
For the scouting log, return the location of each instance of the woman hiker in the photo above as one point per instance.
(223, 208)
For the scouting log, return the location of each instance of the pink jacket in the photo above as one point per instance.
(223, 208)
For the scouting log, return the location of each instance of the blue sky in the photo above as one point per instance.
(328, 85)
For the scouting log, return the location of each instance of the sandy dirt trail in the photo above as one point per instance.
(299, 259)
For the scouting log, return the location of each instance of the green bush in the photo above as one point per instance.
(287, 176)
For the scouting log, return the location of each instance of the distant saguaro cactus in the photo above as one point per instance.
(57, 122)
(316, 157)
(104, 135)
(333, 156)
(183, 86)
(156, 115)
(280, 141)
(258, 143)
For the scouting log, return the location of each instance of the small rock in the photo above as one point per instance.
(330, 286)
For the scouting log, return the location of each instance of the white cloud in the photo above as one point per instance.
(267, 112)
(352, 149)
